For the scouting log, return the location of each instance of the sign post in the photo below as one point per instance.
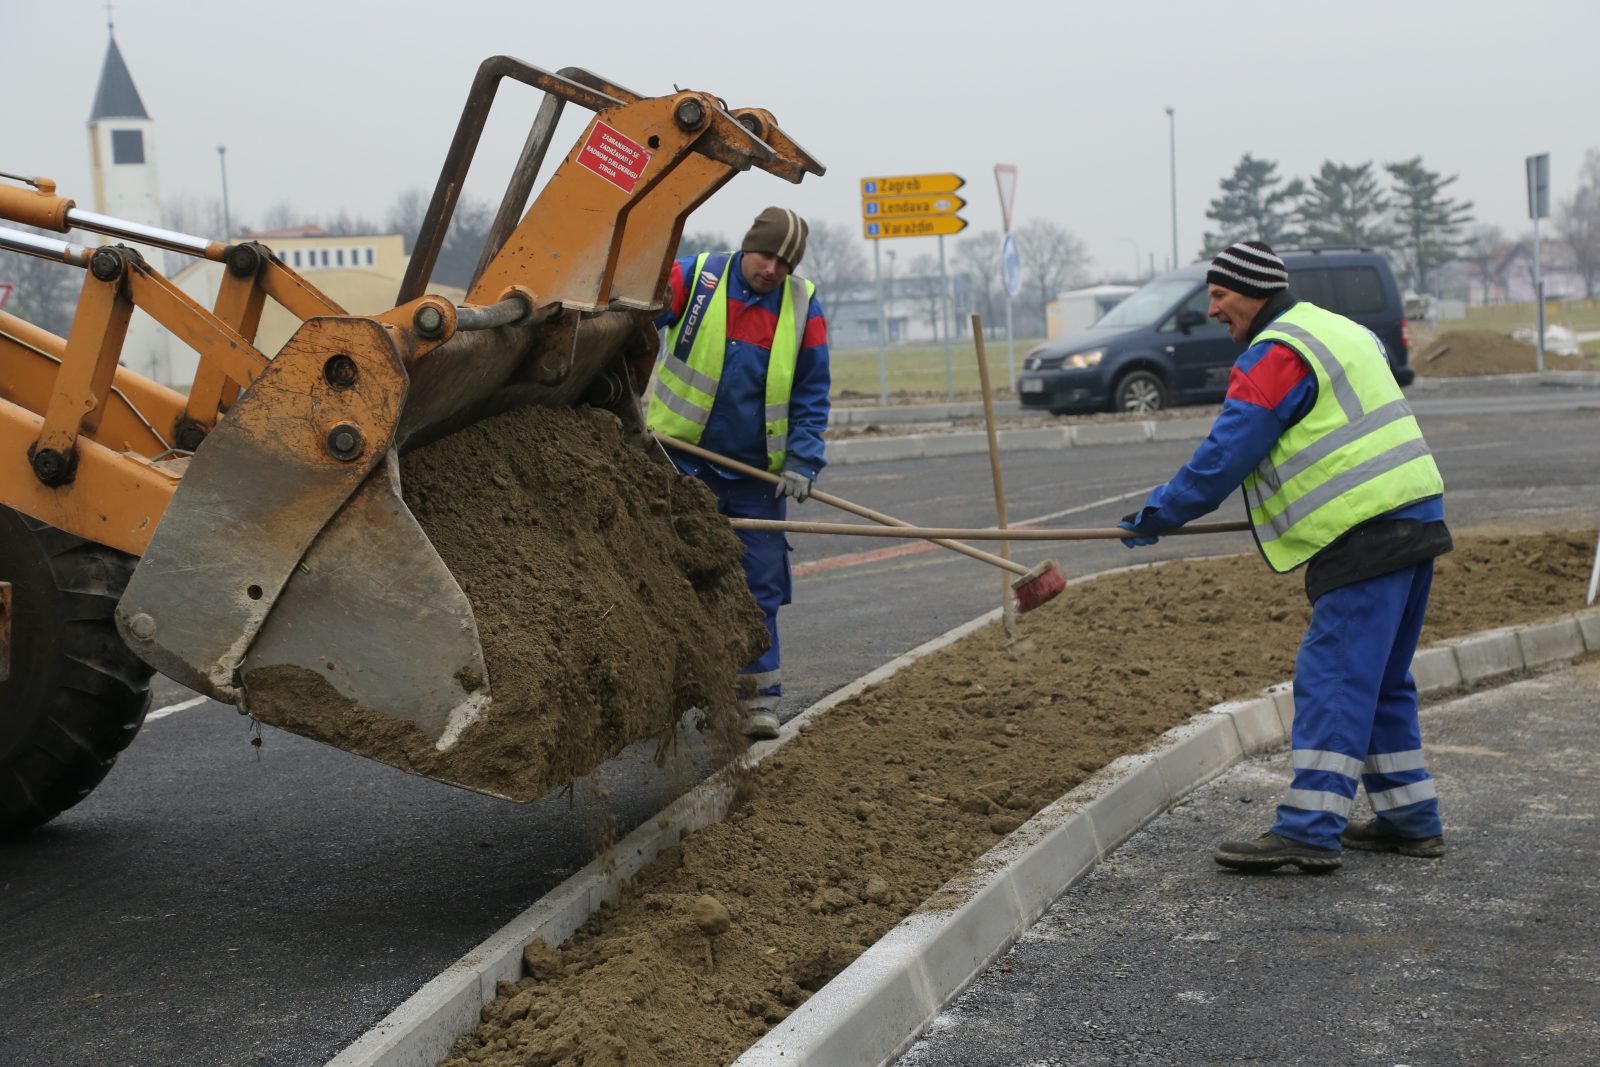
(1539, 208)
(913, 205)
(1005, 180)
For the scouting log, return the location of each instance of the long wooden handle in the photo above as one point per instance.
(841, 504)
(988, 422)
(1014, 534)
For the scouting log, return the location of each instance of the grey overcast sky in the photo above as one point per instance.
(333, 105)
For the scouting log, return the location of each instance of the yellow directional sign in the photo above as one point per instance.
(875, 207)
(912, 185)
(915, 226)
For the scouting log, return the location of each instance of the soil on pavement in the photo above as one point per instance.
(856, 822)
(1466, 353)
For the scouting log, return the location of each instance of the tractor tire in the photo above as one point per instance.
(76, 694)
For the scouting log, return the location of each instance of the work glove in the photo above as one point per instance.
(1138, 540)
(793, 484)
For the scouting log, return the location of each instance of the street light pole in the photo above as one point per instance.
(1172, 152)
(227, 219)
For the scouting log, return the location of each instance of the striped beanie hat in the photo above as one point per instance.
(779, 232)
(1249, 267)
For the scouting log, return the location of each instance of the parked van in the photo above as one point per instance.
(1157, 348)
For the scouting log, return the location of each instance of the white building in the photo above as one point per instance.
(122, 165)
(1078, 309)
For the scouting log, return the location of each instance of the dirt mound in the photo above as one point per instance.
(860, 819)
(1472, 352)
(608, 593)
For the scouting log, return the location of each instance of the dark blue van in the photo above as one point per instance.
(1157, 348)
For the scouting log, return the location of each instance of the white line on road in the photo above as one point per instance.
(172, 709)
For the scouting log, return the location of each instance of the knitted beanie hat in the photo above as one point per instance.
(1248, 267)
(779, 232)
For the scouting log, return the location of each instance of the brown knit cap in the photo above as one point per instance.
(779, 232)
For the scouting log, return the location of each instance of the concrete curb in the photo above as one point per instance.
(927, 445)
(420, 1031)
(878, 1006)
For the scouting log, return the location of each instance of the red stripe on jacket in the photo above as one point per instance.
(1271, 378)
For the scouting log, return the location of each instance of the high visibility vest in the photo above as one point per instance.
(686, 381)
(1357, 454)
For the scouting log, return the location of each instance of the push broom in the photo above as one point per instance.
(1033, 585)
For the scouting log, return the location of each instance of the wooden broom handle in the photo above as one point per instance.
(1015, 533)
(841, 504)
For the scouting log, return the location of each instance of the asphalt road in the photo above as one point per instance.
(1160, 958)
(217, 903)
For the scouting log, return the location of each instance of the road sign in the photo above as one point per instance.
(1010, 266)
(912, 185)
(897, 206)
(5, 293)
(1539, 186)
(1005, 179)
(924, 226)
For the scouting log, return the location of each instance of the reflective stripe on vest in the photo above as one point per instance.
(1357, 454)
(686, 382)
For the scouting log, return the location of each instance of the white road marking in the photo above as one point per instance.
(172, 709)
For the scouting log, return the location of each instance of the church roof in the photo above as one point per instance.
(116, 98)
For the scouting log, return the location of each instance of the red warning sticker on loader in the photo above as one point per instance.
(614, 157)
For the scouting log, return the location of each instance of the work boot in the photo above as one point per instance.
(759, 724)
(1372, 836)
(760, 721)
(1269, 852)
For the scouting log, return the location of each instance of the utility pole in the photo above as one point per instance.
(227, 219)
(1172, 153)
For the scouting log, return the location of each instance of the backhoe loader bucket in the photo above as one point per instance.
(287, 574)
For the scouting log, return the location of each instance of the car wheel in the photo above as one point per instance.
(1139, 392)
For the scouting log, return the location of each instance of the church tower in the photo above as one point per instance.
(122, 161)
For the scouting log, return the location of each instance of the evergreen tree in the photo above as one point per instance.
(1255, 205)
(1430, 224)
(1345, 206)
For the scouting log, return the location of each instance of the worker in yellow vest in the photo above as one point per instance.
(745, 375)
(1336, 477)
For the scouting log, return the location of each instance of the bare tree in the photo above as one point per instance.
(1578, 222)
(925, 285)
(406, 214)
(977, 257)
(1051, 259)
(46, 292)
(345, 224)
(281, 216)
(1486, 250)
(833, 260)
(201, 217)
(463, 243)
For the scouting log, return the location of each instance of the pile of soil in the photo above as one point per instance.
(855, 823)
(1474, 352)
(608, 592)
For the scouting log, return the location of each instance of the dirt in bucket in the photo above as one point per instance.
(608, 593)
(862, 817)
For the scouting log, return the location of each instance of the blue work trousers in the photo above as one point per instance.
(1355, 712)
(766, 569)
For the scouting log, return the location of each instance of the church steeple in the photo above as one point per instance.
(122, 165)
(116, 98)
